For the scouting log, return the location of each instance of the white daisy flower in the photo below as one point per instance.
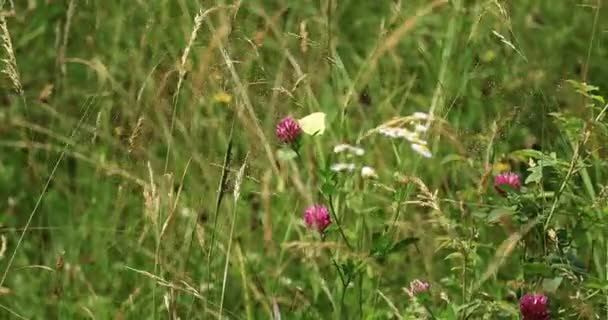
(421, 115)
(415, 139)
(368, 173)
(348, 148)
(398, 133)
(422, 150)
(340, 167)
(392, 132)
(420, 128)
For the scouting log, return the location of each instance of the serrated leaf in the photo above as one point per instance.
(598, 98)
(313, 124)
(535, 176)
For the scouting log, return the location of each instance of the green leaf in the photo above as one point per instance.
(379, 241)
(380, 246)
(469, 308)
(537, 268)
(527, 153)
(594, 283)
(598, 98)
(551, 285)
(453, 158)
(497, 214)
(567, 261)
(582, 87)
(535, 176)
(454, 255)
(313, 124)
(403, 243)
(286, 154)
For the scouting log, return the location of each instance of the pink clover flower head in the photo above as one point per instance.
(317, 217)
(507, 179)
(534, 306)
(418, 286)
(288, 130)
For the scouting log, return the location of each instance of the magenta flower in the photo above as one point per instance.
(288, 130)
(533, 306)
(507, 179)
(317, 217)
(418, 286)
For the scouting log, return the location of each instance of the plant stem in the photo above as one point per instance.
(335, 216)
(225, 278)
(343, 295)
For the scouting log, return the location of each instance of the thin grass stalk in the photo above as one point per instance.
(237, 189)
(198, 21)
(43, 192)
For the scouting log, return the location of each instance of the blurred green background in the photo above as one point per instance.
(129, 128)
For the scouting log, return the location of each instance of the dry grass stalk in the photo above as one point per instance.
(175, 202)
(3, 246)
(171, 285)
(135, 133)
(237, 193)
(388, 43)
(108, 168)
(61, 60)
(198, 21)
(239, 180)
(151, 198)
(10, 62)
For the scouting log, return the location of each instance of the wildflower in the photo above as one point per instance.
(339, 167)
(392, 132)
(421, 115)
(506, 179)
(222, 97)
(368, 173)
(288, 130)
(421, 128)
(534, 307)
(398, 133)
(422, 150)
(416, 140)
(348, 148)
(417, 287)
(500, 167)
(317, 217)
(413, 137)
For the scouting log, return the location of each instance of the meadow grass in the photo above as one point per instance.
(141, 176)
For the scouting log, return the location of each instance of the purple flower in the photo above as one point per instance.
(507, 179)
(288, 130)
(317, 217)
(418, 287)
(533, 306)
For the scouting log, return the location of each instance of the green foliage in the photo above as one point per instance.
(120, 165)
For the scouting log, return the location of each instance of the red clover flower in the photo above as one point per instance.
(534, 306)
(507, 179)
(317, 217)
(417, 287)
(288, 130)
